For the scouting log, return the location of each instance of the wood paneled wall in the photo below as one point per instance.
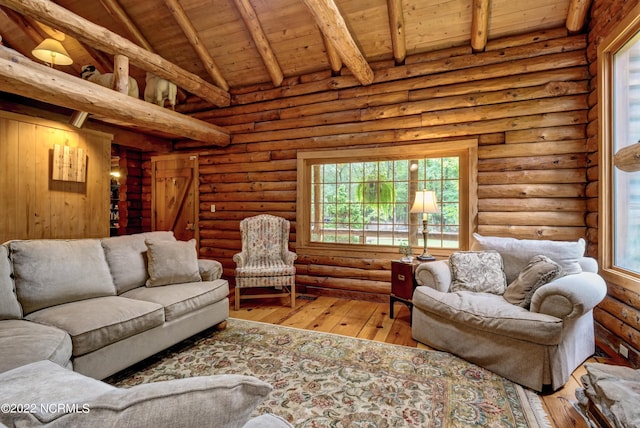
(130, 191)
(618, 316)
(525, 99)
(35, 206)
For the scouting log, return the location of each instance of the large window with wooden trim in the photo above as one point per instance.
(619, 219)
(361, 200)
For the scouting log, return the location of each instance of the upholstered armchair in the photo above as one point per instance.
(265, 260)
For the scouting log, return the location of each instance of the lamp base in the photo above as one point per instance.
(426, 257)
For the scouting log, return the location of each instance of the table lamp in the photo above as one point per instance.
(425, 202)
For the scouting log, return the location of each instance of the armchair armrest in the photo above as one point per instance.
(209, 269)
(570, 296)
(289, 257)
(240, 259)
(435, 275)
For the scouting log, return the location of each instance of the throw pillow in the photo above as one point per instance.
(479, 271)
(172, 262)
(516, 253)
(540, 271)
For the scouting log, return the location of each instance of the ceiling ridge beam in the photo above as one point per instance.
(194, 40)
(479, 25)
(21, 76)
(396, 25)
(259, 37)
(334, 28)
(101, 38)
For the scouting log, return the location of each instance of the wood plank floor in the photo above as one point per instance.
(368, 320)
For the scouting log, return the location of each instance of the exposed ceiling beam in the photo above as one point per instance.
(335, 29)
(252, 23)
(335, 62)
(83, 30)
(577, 15)
(396, 25)
(479, 25)
(119, 14)
(192, 35)
(21, 76)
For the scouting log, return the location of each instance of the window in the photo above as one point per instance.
(619, 226)
(360, 199)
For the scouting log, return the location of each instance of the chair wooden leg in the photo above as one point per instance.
(237, 298)
(293, 296)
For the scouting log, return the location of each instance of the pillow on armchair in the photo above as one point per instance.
(478, 271)
(540, 271)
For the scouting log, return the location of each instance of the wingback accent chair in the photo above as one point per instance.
(265, 260)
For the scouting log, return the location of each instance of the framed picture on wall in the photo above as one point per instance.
(69, 164)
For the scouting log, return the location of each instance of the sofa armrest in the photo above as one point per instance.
(570, 296)
(210, 269)
(435, 275)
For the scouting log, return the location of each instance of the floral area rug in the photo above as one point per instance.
(327, 380)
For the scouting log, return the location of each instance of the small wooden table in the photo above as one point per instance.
(403, 282)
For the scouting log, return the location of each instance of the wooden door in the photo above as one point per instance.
(174, 195)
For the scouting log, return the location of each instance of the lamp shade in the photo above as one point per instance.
(425, 202)
(52, 52)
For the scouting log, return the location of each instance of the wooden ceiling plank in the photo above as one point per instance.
(479, 25)
(252, 23)
(335, 62)
(21, 76)
(119, 14)
(56, 16)
(334, 28)
(577, 14)
(194, 39)
(396, 25)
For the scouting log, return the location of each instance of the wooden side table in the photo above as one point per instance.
(403, 282)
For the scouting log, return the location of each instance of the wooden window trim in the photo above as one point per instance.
(618, 37)
(466, 149)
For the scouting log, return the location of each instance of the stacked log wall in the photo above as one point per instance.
(618, 316)
(524, 99)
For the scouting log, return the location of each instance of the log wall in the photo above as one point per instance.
(618, 316)
(525, 98)
(32, 205)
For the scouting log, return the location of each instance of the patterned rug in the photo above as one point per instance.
(327, 380)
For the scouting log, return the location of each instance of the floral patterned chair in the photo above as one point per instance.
(265, 260)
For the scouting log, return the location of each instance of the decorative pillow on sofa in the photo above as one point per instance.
(479, 271)
(172, 262)
(540, 271)
(516, 253)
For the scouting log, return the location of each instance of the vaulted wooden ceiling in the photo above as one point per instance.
(233, 44)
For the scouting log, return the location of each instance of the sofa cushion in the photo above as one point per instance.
(516, 253)
(478, 271)
(127, 258)
(179, 299)
(80, 401)
(172, 262)
(51, 272)
(540, 271)
(490, 313)
(9, 306)
(96, 323)
(23, 342)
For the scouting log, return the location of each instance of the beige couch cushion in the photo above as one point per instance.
(172, 262)
(127, 258)
(51, 272)
(96, 323)
(491, 313)
(9, 306)
(23, 342)
(179, 299)
(221, 400)
(516, 253)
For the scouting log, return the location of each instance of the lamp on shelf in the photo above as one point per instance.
(52, 52)
(425, 203)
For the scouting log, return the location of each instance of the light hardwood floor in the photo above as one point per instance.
(368, 320)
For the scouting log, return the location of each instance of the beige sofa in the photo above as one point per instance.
(101, 305)
(534, 346)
